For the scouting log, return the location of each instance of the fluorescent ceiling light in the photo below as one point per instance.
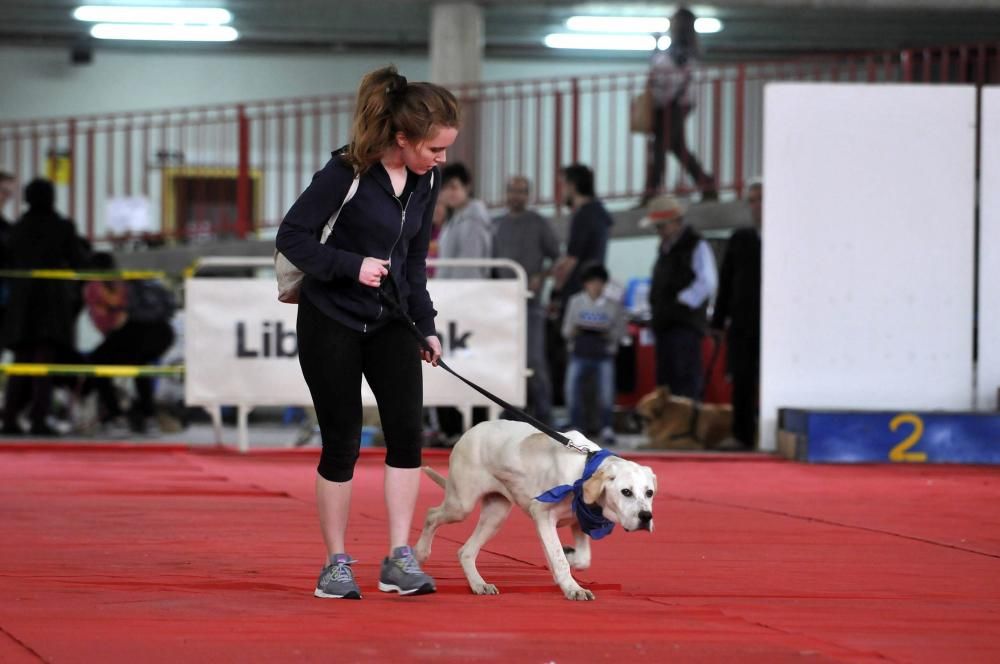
(707, 26)
(663, 43)
(147, 32)
(639, 24)
(188, 15)
(600, 42)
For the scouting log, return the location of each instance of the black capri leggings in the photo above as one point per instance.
(333, 358)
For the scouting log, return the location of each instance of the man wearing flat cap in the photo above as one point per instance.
(684, 281)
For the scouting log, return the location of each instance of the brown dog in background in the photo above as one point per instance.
(680, 423)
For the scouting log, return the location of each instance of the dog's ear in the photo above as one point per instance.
(652, 475)
(594, 487)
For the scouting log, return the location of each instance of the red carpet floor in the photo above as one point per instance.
(180, 556)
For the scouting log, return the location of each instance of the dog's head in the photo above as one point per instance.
(625, 491)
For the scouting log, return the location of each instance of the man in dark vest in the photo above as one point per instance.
(684, 281)
(737, 312)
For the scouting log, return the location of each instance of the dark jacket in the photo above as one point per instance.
(374, 223)
(738, 301)
(588, 241)
(42, 310)
(672, 273)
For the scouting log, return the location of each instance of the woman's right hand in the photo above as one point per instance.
(373, 270)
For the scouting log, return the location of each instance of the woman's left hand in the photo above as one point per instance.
(435, 345)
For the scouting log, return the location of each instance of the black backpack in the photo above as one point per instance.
(150, 301)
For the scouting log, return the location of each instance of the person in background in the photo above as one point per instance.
(468, 231)
(8, 189)
(670, 88)
(593, 326)
(589, 229)
(106, 303)
(684, 281)
(138, 318)
(737, 314)
(526, 237)
(400, 135)
(41, 315)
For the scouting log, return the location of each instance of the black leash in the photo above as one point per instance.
(393, 302)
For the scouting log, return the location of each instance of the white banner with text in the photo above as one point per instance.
(241, 347)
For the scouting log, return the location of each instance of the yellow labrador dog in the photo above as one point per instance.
(500, 463)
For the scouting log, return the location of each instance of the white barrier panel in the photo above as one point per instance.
(241, 346)
(868, 248)
(988, 379)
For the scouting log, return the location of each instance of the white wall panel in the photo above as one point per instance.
(868, 248)
(988, 381)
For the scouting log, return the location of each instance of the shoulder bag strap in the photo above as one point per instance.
(333, 219)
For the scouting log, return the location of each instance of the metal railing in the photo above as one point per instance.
(233, 170)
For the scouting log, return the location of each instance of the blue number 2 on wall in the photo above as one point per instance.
(901, 452)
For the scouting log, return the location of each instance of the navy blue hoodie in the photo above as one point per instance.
(373, 223)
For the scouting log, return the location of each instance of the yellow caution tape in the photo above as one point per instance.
(75, 275)
(100, 370)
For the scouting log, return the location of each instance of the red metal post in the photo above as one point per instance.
(629, 139)
(17, 170)
(537, 146)
(963, 64)
(280, 158)
(738, 133)
(576, 120)
(35, 147)
(522, 137)
(72, 167)
(146, 157)
(299, 148)
(90, 183)
(717, 129)
(317, 141)
(927, 65)
(906, 59)
(870, 64)
(243, 222)
(128, 158)
(109, 157)
(557, 153)
(945, 73)
(502, 145)
(595, 136)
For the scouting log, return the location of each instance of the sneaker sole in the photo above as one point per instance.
(425, 589)
(354, 594)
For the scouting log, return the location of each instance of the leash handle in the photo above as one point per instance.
(395, 305)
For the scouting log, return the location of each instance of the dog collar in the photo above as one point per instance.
(590, 517)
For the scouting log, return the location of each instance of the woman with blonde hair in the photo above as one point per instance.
(400, 136)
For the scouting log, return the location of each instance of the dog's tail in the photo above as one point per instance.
(438, 478)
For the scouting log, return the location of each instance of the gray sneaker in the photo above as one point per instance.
(337, 580)
(402, 573)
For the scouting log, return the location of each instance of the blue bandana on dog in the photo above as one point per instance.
(591, 519)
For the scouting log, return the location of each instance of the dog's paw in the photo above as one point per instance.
(485, 589)
(421, 553)
(579, 594)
